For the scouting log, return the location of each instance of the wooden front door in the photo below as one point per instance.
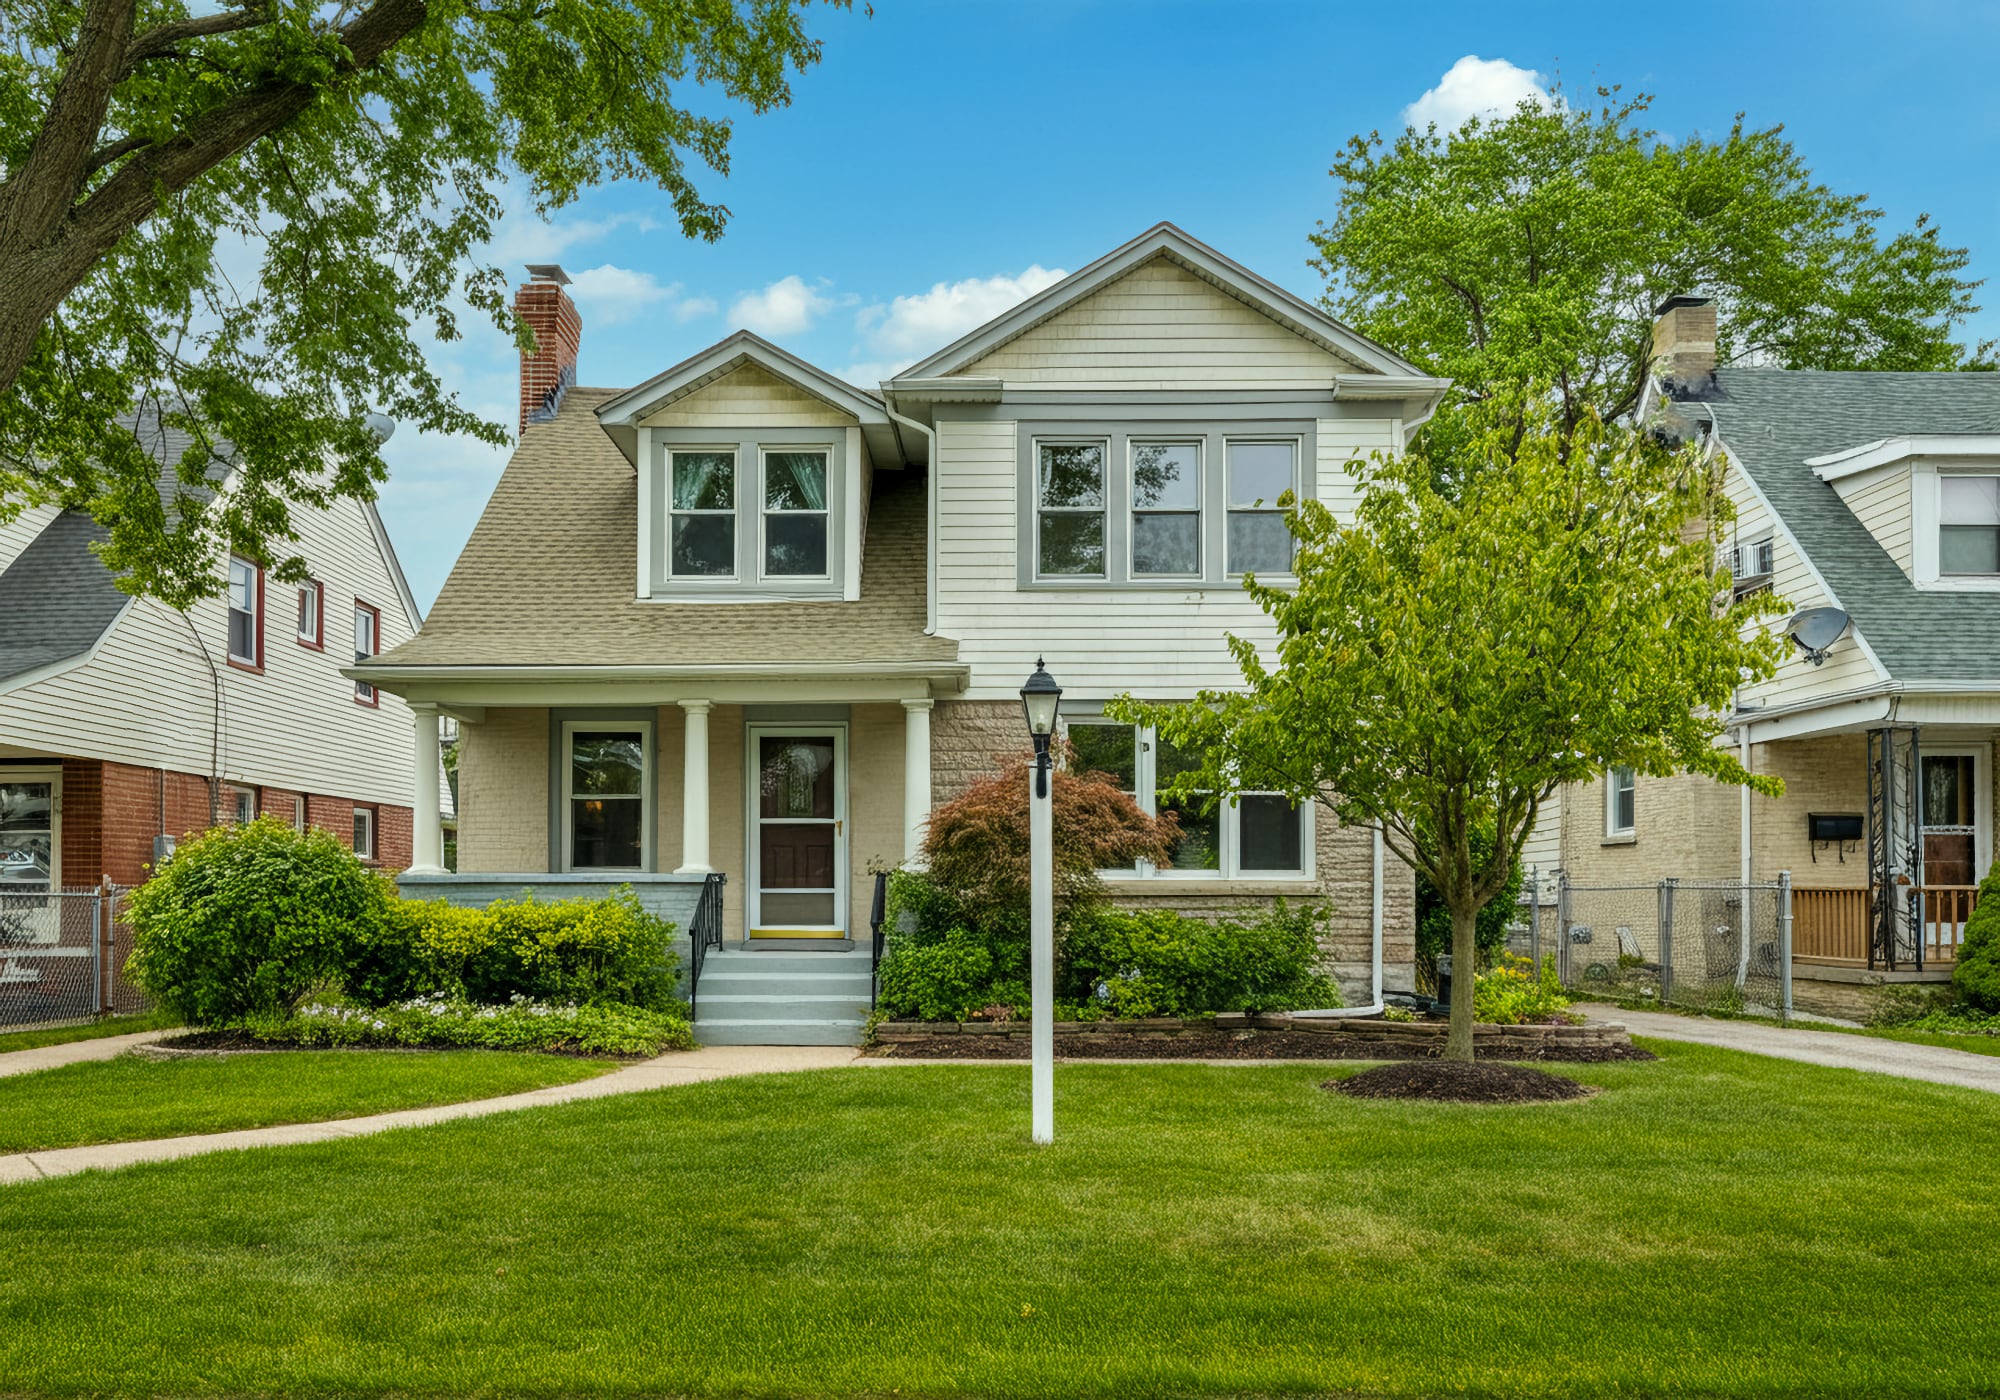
(798, 836)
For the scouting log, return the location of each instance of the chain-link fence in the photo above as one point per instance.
(62, 956)
(1709, 944)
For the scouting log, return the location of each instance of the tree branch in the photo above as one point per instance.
(35, 199)
(161, 38)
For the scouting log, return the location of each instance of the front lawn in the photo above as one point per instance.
(1713, 1222)
(88, 1030)
(130, 1098)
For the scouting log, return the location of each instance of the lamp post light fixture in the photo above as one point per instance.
(1039, 698)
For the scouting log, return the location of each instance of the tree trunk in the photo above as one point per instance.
(1464, 942)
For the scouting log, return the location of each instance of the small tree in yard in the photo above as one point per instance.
(1447, 661)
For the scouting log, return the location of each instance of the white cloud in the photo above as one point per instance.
(609, 294)
(1476, 87)
(785, 307)
(913, 326)
(696, 306)
(520, 235)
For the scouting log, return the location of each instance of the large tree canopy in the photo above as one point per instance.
(1530, 250)
(241, 218)
(1450, 658)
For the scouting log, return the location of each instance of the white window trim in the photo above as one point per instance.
(312, 600)
(364, 818)
(1926, 518)
(1133, 511)
(364, 691)
(734, 452)
(53, 776)
(753, 916)
(764, 511)
(299, 822)
(1229, 868)
(237, 792)
(1103, 511)
(1613, 831)
(1298, 447)
(230, 609)
(1982, 798)
(648, 797)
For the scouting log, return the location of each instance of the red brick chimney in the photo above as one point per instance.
(547, 374)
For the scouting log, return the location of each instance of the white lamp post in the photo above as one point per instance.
(1038, 699)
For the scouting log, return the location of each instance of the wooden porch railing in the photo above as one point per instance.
(1831, 925)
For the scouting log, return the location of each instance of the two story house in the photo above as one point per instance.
(730, 632)
(1871, 503)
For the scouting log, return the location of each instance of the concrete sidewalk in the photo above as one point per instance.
(690, 1067)
(1964, 1068)
(75, 1052)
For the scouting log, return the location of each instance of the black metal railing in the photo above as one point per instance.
(705, 931)
(877, 911)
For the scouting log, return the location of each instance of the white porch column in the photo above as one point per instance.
(426, 807)
(694, 790)
(916, 776)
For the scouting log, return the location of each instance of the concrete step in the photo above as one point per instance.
(736, 1032)
(720, 960)
(789, 1007)
(735, 983)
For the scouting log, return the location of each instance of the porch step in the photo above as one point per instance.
(781, 1006)
(762, 997)
(715, 983)
(778, 1032)
(732, 960)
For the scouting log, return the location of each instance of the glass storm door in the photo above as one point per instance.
(28, 855)
(799, 807)
(1950, 833)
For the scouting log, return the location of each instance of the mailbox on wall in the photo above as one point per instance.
(1840, 830)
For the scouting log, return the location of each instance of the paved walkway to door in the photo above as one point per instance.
(1963, 1068)
(104, 1047)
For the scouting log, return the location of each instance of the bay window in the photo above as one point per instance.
(1968, 525)
(1259, 836)
(795, 514)
(702, 541)
(1069, 509)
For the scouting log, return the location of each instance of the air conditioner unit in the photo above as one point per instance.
(1752, 560)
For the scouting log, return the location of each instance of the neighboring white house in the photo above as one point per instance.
(745, 618)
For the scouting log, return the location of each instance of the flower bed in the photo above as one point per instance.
(439, 1023)
(1250, 1036)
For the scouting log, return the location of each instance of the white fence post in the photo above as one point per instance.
(1785, 940)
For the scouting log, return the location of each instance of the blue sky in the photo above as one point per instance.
(947, 158)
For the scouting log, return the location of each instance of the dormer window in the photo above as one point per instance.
(1968, 525)
(704, 515)
(795, 514)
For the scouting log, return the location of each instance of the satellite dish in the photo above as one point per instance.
(1816, 630)
(382, 425)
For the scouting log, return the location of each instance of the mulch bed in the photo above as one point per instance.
(1196, 1044)
(217, 1043)
(1449, 1081)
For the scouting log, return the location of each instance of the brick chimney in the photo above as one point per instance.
(547, 374)
(1684, 339)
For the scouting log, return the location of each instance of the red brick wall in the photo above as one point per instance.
(112, 811)
(551, 315)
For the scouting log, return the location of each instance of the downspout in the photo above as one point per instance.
(931, 528)
(1374, 1006)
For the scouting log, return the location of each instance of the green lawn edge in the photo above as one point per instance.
(88, 1030)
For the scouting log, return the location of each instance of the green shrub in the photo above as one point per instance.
(1511, 994)
(944, 980)
(1977, 975)
(1161, 963)
(1900, 1004)
(446, 1023)
(246, 920)
(578, 951)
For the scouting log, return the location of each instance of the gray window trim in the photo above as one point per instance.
(1119, 434)
(749, 582)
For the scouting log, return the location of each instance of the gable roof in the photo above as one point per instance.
(1776, 423)
(56, 599)
(1163, 240)
(620, 412)
(546, 579)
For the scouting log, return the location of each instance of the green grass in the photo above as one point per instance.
(130, 1098)
(92, 1030)
(1713, 1223)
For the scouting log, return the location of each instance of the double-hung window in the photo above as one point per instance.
(1262, 835)
(795, 514)
(241, 806)
(246, 613)
(1069, 509)
(606, 774)
(1621, 802)
(364, 832)
(312, 613)
(1260, 473)
(702, 533)
(1166, 509)
(367, 641)
(1968, 525)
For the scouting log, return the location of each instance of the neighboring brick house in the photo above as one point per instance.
(1871, 503)
(746, 618)
(125, 724)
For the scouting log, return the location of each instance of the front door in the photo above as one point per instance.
(798, 837)
(1954, 840)
(30, 852)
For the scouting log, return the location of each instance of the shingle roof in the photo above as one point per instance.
(1774, 420)
(546, 579)
(56, 598)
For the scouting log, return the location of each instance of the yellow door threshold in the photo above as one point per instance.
(798, 933)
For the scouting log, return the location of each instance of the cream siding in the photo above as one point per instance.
(749, 396)
(1881, 501)
(1542, 851)
(1162, 327)
(1848, 667)
(1163, 643)
(151, 697)
(17, 534)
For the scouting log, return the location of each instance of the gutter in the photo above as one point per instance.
(750, 670)
(931, 493)
(1374, 1007)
